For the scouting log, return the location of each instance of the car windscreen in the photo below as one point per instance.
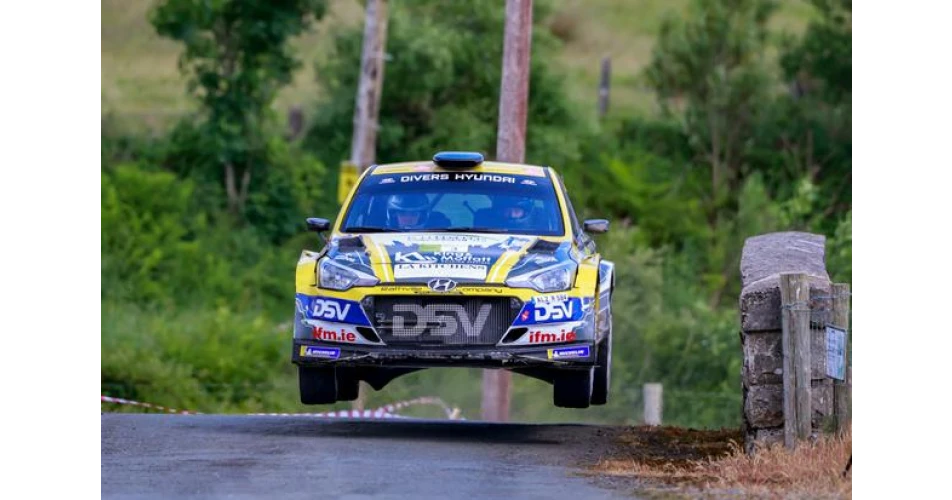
(455, 201)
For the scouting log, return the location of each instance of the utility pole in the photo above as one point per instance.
(363, 144)
(604, 88)
(510, 147)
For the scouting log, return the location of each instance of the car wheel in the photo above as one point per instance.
(318, 385)
(573, 388)
(348, 386)
(603, 372)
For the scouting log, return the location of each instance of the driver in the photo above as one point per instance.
(516, 212)
(408, 211)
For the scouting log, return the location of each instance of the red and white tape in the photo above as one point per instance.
(107, 399)
(385, 412)
(376, 413)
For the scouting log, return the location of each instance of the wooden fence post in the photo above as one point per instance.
(795, 319)
(604, 87)
(842, 389)
(653, 403)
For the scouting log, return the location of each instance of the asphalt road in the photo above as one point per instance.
(219, 456)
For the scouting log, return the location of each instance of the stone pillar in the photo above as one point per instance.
(764, 258)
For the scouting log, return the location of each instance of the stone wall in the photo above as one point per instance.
(764, 258)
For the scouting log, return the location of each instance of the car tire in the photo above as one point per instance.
(603, 372)
(573, 388)
(318, 385)
(348, 386)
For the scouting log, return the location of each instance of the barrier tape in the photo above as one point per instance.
(384, 412)
(107, 399)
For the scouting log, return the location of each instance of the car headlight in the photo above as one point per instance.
(335, 276)
(557, 278)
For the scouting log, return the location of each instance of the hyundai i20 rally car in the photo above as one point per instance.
(455, 262)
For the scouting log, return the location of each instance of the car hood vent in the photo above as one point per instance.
(544, 246)
(350, 244)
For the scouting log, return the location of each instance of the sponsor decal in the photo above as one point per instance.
(399, 289)
(568, 352)
(334, 310)
(484, 289)
(448, 238)
(547, 337)
(311, 351)
(424, 177)
(552, 309)
(458, 176)
(529, 182)
(467, 271)
(420, 290)
(443, 257)
(387, 180)
(329, 309)
(412, 320)
(410, 257)
(333, 335)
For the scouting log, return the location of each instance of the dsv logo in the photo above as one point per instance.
(329, 309)
(411, 320)
(553, 311)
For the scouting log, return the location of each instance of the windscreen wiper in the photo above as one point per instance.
(465, 229)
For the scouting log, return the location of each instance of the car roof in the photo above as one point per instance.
(490, 167)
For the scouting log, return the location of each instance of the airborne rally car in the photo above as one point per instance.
(457, 262)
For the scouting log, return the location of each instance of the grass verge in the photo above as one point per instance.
(670, 462)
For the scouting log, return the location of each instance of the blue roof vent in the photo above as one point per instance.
(457, 159)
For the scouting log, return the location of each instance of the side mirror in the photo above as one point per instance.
(318, 225)
(595, 226)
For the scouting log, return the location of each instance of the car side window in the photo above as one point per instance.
(576, 229)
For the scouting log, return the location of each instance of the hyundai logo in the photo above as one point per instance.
(441, 285)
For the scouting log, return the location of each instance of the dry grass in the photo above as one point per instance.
(711, 465)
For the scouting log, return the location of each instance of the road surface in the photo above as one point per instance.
(236, 456)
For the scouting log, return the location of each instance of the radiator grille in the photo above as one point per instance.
(437, 320)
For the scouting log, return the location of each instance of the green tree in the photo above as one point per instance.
(709, 68)
(236, 57)
(441, 86)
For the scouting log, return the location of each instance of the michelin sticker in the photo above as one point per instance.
(569, 352)
(311, 351)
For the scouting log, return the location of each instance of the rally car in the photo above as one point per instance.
(455, 262)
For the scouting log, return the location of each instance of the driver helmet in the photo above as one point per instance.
(517, 210)
(408, 210)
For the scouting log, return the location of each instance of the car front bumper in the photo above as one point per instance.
(575, 355)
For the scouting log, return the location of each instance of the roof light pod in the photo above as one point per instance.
(457, 159)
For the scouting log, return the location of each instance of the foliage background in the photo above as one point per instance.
(729, 118)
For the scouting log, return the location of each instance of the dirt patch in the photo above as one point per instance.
(671, 462)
